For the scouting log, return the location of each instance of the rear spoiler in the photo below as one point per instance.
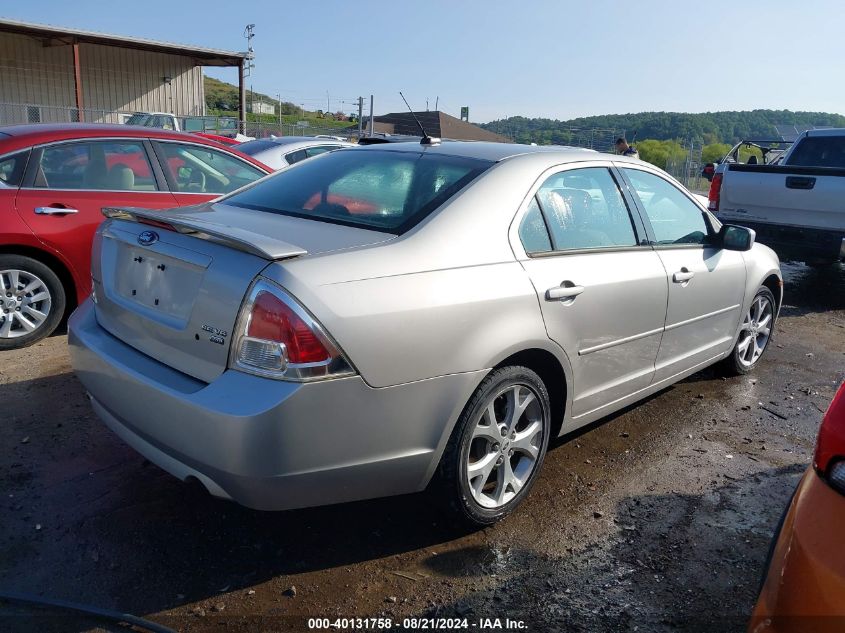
(263, 246)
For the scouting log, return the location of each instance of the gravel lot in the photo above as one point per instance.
(656, 519)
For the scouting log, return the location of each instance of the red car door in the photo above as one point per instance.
(67, 185)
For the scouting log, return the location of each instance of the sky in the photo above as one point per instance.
(546, 58)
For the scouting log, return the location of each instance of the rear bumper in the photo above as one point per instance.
(804, 589)
(796, 242)
(269, 444)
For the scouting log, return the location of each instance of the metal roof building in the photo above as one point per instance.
(50, 73)
(436, 123)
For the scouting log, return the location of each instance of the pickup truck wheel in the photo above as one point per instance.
(754, 336)
(497, 447)
(32, 301)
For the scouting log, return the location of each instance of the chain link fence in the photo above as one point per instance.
(687, 167)
(23, 113)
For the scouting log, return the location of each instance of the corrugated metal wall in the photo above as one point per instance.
(113, 79)
(130, 80)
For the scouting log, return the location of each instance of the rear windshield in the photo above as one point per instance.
(819, 151)
(375, 189)
(258, 145)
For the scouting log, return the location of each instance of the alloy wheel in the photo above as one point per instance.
(756, 331)
(25, 303)
(505, 446)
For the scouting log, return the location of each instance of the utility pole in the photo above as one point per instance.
(360, 116)
(371, 115)
(279, 95)
(328, 103)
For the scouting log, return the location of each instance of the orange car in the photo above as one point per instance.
(804, 589)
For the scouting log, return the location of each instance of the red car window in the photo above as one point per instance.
(93, 165)
(200, 169)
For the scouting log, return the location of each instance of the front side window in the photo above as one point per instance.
(12, 168)
(195, 169)
(583, 208)
(103, 165)
(674, 217)
(384, 190)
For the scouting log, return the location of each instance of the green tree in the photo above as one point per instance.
(713, 152)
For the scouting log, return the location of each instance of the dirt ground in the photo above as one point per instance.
(656, 519)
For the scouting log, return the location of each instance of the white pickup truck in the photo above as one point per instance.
(797, 206)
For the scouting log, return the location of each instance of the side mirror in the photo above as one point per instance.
(736, 238)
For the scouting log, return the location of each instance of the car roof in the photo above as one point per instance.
(483, 150)
(15, 137)
(289, 140)
(833, 131)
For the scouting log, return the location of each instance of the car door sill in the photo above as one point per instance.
(610, 407)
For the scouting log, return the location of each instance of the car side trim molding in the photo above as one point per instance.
(701, 317)
(619, 341)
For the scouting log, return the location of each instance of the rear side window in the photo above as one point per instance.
(819, 151)
(582, 208)
(12, 168)
(320, 149)
(96, 165)
(384, 190)
(533, 231)
(295, 157)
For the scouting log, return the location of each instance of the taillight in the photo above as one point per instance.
(829, 459)
(277, 338)
(715, 192)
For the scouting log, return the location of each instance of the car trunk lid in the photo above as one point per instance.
(171, 284)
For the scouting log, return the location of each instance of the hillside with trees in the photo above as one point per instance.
(704, 128)
(222, 98)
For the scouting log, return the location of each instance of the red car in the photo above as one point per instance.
(804, 587)
(54, 181)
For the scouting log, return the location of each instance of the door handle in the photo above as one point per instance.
(797, 182)
(563, 292)
(55, 210)
(682, 276)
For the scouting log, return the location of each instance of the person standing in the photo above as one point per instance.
(623, 148)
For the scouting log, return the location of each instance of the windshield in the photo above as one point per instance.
(381, 190)
(138, 119)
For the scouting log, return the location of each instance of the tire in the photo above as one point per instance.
(511, 460)
(32, 301)
(745, 355)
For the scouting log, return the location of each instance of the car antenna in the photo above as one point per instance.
(426, 139)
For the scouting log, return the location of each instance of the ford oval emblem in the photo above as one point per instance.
(147, 237)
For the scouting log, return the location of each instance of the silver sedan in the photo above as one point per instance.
(384, 319)
(280, 152)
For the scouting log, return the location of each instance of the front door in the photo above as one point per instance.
(602, 293)
(706, 283)
(68, 184)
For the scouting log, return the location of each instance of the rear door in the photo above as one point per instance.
(198, 173)
(601, 287)
(706, 283)
(68, 183)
